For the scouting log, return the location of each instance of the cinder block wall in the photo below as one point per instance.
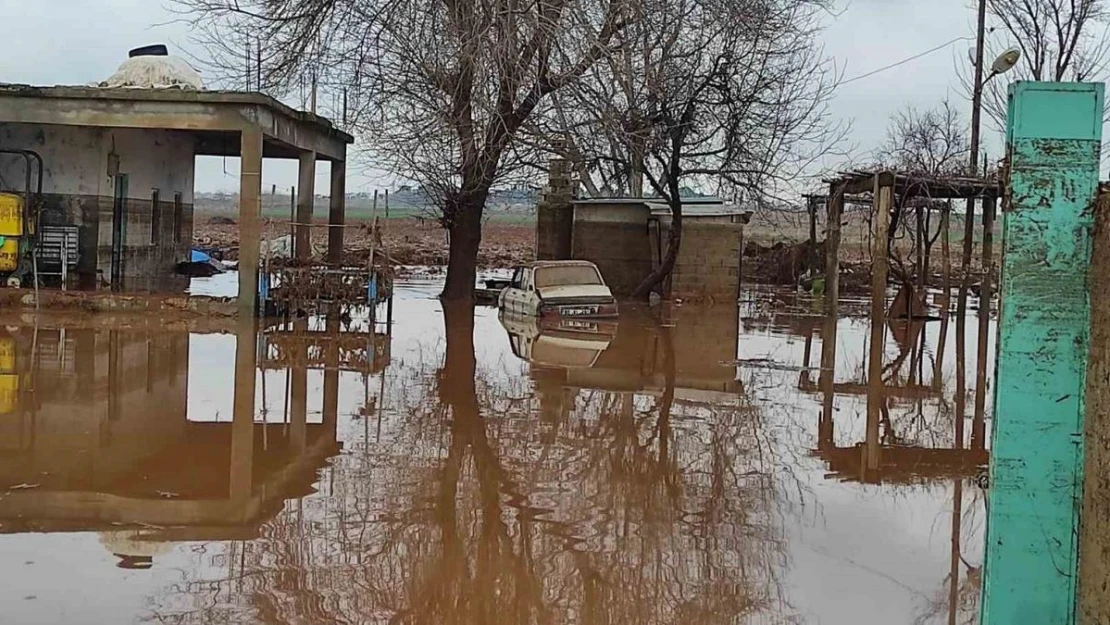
(554, 225)
(708, 264)
(622, 252)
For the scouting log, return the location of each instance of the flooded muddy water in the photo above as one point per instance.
(694, 465)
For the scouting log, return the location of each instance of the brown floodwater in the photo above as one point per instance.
(692, 466)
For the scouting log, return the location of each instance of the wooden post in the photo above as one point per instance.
(876, 399)
(337, 211)
(305, 203)
(945, 310)
(986, 293)
(827, 376)
(293, 212)
(250, 220)
(812, 255)
(921, 239)
(1054, 133)
(834, 209)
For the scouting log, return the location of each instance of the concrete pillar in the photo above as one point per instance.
(555, 213)
(1036, 469)
(306, 197)
(337, 211)
(250, 220)
(331, 374)
(243, 408)
(298, 391)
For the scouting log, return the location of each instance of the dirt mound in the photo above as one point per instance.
(783, 263)
(220, 220)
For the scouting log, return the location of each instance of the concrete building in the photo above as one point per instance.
(627, 239)
(118, 167)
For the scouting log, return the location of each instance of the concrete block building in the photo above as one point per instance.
(627, 239)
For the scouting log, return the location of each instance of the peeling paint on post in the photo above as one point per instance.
(1054, 132)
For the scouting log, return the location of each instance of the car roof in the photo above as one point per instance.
(561, 263)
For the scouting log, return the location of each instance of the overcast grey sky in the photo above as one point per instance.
(80, 41)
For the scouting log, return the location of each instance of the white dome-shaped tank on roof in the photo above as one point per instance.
(152, 67)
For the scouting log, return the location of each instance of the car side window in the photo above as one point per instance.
(518, 276)
(527, 282)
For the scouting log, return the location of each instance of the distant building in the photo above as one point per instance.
(627, 239)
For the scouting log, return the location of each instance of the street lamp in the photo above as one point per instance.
(1004, 63)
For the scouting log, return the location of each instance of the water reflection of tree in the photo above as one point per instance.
(632, 509)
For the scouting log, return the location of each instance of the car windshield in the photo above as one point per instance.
(572, 275)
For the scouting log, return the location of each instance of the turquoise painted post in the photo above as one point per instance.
(1054, 132)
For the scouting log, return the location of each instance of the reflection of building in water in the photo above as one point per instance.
(98, 439)
(696, 345)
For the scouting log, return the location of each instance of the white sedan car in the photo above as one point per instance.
(558, 289)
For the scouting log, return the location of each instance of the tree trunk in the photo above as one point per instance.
(463, 218)
(674, 240)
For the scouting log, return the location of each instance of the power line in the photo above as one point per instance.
(906, 60)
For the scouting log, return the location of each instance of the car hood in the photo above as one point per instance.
(577, 291)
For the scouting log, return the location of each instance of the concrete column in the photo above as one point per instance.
(1036, 467)
(331, 374)
(298, 392)
(337, 211)
(250, 220)
(306, 196)
(242, 425)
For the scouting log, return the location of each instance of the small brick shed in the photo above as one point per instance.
(627, 238)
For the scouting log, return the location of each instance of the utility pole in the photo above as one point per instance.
(977, 90)
(976, 114)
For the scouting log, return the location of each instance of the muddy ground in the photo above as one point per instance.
(408, 241)
(772, 255)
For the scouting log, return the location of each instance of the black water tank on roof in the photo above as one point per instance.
(158, 49)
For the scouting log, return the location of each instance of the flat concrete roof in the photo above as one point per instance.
(693, 207)
(216, 117)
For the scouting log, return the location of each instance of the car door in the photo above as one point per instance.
(512, 296)
(531, 298)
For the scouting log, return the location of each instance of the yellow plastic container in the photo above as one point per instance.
(7, 354)
(9, 255)
(11, 215)
(9, 392)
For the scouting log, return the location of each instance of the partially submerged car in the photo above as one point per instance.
(558, 289)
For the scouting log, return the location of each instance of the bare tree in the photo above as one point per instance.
(931, 143)
(437, 88)
(720, 96)
(1060, 40)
